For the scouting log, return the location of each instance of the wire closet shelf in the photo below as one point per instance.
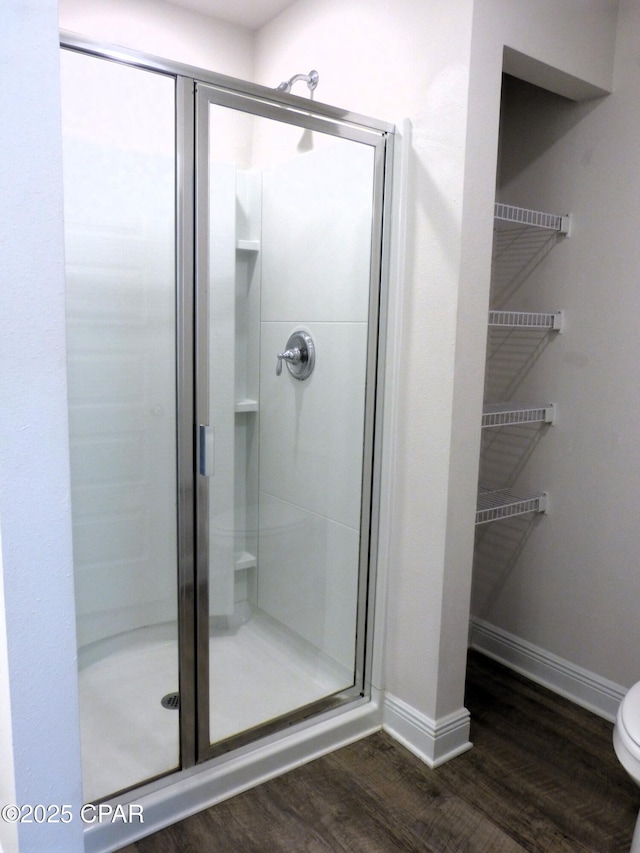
(512, 414)
(498, 504)
(508, 213)
(527, 320)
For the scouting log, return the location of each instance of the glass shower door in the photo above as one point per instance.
(287, 297)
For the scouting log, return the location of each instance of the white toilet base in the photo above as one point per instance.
(626, 744)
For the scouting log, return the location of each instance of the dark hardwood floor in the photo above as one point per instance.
(542, 776)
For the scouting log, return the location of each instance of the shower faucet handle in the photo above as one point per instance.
(300, 355)
(292, 355)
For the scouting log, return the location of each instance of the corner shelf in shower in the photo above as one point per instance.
(248, 245)
(508, 214)
(511, 414)
(527, 320)
(498, 504)
(246, 405)
(244, 240)
(245, 560)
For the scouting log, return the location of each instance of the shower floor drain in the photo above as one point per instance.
(171, 700)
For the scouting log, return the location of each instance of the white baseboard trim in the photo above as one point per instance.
(186, 792)
(433, 741)
(585, 688)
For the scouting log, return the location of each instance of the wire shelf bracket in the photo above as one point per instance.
(498, 504)
(534, 218)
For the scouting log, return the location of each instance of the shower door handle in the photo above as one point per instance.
(206, 451)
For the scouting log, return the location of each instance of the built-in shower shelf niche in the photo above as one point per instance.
(545, 322)
(248, 245)
(498, 504)
(246, 405)
(507, 216)
(512, 414)
(248, 230)
(246, 560)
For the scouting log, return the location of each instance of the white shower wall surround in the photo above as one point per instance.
(311, 433)
(310, 498)
(324, 442)
(119, 233)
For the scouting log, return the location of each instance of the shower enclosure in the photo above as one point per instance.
(224, 250)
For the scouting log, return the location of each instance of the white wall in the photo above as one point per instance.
(574, 588)
(34, 464)
(164, 30)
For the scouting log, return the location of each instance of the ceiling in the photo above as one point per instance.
(245, 13)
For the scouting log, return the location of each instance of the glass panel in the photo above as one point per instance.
(289, 242)
(119, 179)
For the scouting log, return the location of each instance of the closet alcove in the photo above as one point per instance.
(524, 418)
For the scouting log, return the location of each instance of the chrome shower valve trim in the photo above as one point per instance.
(300, 355)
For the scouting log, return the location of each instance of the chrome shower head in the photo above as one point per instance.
(311, 79)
